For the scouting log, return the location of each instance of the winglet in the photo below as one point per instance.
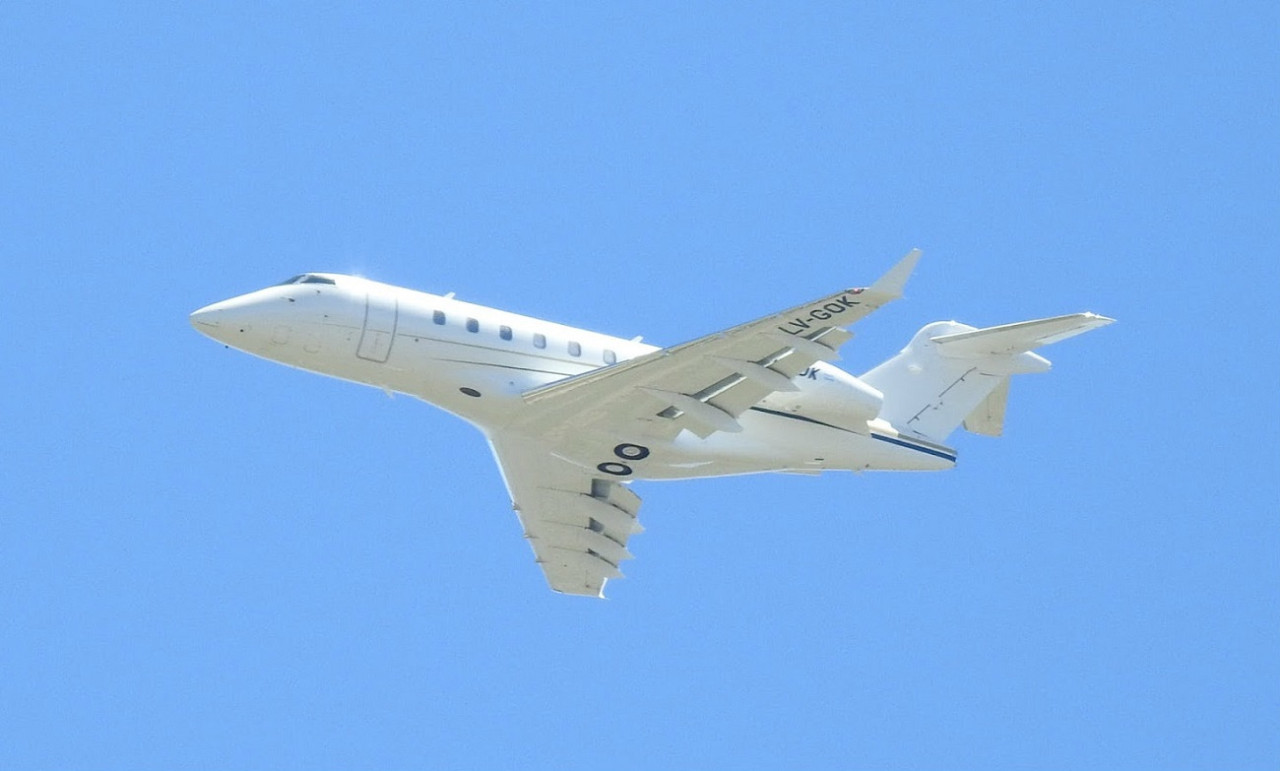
(891, 283)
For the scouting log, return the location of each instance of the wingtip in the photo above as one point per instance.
(894, 281)
(1091, 320)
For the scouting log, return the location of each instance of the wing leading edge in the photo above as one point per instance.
(705, 384)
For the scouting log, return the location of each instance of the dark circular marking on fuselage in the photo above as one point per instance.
(628, 451)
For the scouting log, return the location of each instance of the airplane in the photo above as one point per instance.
(574, 416)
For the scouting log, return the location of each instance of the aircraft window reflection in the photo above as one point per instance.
(438, 317)
(539, 340)
(610, 357)
(473, 325)
(504, 332)
(574, 349)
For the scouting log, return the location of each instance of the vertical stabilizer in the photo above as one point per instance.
(953, 373)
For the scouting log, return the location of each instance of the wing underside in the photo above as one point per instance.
(577, 523)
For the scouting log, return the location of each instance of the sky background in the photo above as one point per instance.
(211, 561)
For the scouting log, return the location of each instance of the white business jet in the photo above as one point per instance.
(573, 416)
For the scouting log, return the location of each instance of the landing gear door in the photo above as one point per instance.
(380, 317)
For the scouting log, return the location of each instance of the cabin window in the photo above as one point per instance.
(504, 332)
(473, 325)
(539, 340)
(438, 317)
(574, 349)
(610, 357)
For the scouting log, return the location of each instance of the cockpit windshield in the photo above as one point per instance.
(308, 278)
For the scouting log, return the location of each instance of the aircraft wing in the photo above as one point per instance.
(577, 522)
(702, 385)
(564, 456)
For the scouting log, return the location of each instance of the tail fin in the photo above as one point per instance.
(952, 373)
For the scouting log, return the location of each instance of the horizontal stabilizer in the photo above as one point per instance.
(952, 374)
(1017, 338)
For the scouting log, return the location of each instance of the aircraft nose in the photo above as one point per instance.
(227, 319)
(208, 317)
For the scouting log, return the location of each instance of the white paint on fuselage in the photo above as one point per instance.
(319, 327)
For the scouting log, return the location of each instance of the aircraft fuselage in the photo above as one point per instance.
(478, 362)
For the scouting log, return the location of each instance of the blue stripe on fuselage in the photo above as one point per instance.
(937, 452)
(912, 446)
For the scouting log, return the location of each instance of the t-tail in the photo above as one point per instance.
(952, 374)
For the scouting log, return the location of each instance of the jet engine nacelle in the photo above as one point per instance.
(831, 396)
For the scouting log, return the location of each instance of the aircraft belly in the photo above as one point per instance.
(484, 388)
(771, 442)
(488, 395)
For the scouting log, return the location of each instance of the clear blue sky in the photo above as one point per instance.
(210, 561)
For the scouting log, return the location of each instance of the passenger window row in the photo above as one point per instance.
(539, 340)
